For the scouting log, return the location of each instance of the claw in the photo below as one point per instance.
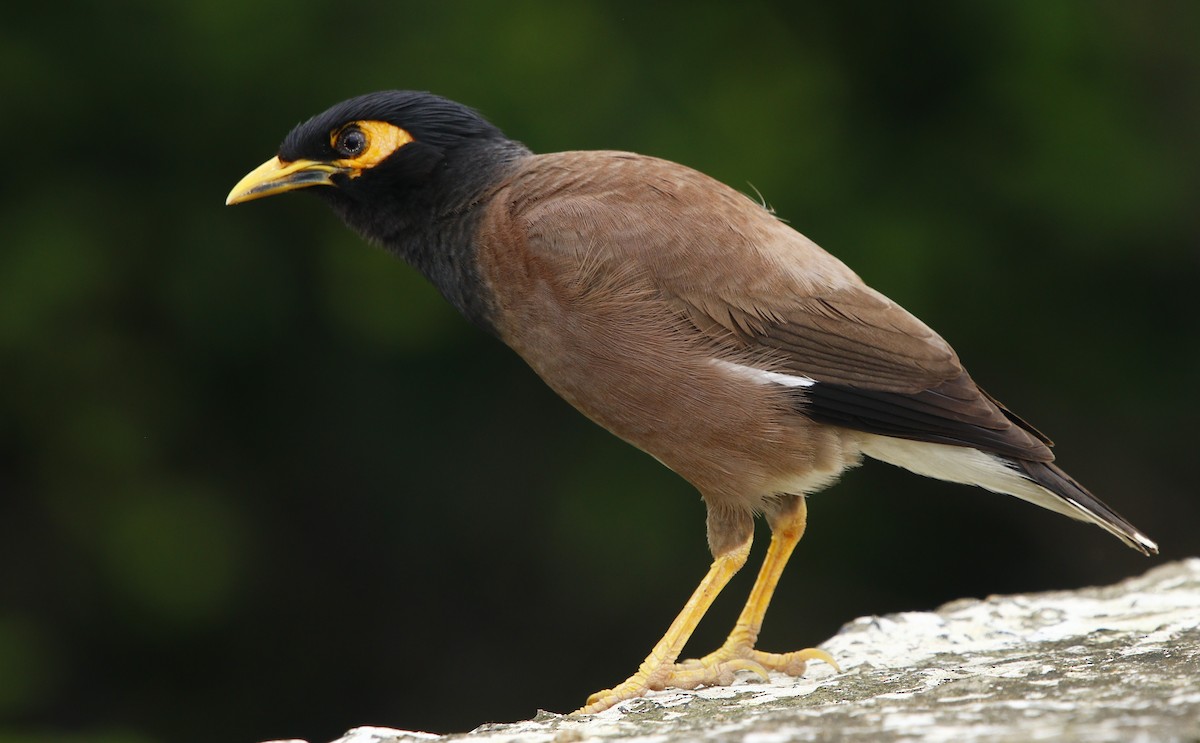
(814, 654)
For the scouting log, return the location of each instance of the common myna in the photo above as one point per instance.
(685, 318)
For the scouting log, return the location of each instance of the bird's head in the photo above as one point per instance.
(371, 149)
(408, 171)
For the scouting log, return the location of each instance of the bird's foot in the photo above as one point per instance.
(718, 668)
(646, 679)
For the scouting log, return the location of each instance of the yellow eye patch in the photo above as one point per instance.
(365, 144)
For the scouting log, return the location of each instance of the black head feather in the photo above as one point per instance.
(435, 121)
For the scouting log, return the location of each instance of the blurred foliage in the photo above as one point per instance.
(257, 480)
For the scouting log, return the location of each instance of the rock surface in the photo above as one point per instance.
(1119, 663)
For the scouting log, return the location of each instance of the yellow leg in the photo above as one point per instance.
(738, 651)
(660, 669)
(656, 671)
(785, 535)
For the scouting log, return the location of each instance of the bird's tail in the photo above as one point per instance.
(1083, 505)
(1040, 483)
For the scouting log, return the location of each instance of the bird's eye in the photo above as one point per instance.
(350, 142)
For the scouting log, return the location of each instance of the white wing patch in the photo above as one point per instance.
(762, 376)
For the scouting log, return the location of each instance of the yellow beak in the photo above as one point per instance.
(275, 176)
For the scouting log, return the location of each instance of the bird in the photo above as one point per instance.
(687, 319)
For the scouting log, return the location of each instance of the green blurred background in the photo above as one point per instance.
(257, 480)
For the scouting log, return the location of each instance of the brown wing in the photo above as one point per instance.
(880, 370)
(763, 294)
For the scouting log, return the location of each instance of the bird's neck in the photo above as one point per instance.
(436, 229)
